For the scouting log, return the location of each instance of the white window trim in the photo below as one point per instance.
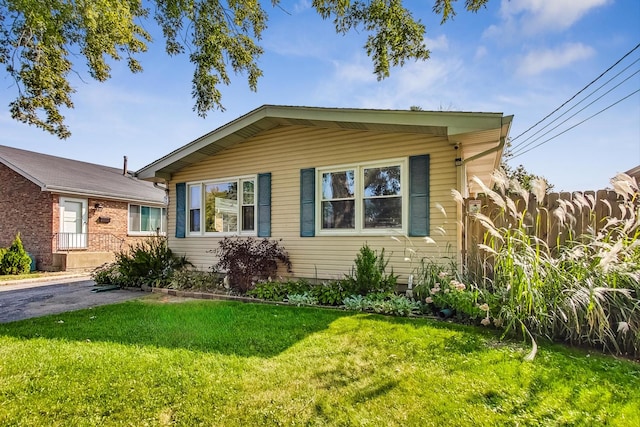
(239, 232)
(163, 221)
(359, 229)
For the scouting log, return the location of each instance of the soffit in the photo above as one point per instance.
(446, 124)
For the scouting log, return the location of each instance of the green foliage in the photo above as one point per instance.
(369, 274)
(149, 262)
(332, 292)
(301, 299)
(195, 280)
(278, 291)
(2, 252)
(395, 305)
(441, 287)
(108, 274)
(185, 364)
(39, 40)
(247, 260)
(520, 174)
(585, 292)
(326, 293)
(15, 260)
(355, 303)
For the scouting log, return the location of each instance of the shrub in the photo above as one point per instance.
(149, 262)
(369, 274)
(333, 292)
(278, 291)
(195, 280)
(442, 288)
(108, 274)
(15, 260)
(2, 252)
(248, 260)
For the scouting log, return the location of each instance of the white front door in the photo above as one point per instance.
(73, 224)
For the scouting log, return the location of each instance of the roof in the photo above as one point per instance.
(634, 172)
(61, 175)
(480, 135)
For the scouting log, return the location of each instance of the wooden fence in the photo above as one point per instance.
(558, 218)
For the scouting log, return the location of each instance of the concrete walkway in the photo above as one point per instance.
(24, 299)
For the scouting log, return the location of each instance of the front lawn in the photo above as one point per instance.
(151, 362)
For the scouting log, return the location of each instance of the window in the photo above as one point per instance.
(228, 206)
(194, 208)
(147, 220)
(338, 200)
(362, 198)
(382, 197)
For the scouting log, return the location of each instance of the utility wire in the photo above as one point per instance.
(522, 144)
(579, 92)
(577, 124)
(521, 147)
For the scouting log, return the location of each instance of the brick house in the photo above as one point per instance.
(72, 214)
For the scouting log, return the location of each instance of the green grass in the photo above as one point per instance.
(12, 277)
(226, 364)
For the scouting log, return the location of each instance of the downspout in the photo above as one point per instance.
(165, 187)
(489, 151)
(461, 178)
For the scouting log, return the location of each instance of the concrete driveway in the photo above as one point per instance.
(33, 299)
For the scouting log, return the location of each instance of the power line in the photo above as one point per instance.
(521, 147)
(579, 92)
(522, 144)
(577, 124)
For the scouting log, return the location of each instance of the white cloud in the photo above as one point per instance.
(531, 17)
(358, 72)
(428, 84)
(537, 62)
(301, 6)
(439, 43)
(481, 52)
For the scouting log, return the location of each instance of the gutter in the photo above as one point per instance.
(107, 196)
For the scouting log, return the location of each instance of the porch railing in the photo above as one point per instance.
(92, 242)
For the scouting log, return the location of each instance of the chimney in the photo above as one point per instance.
(124, 168)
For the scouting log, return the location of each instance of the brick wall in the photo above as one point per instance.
(26, 209)
(106, 224)
(113, 232)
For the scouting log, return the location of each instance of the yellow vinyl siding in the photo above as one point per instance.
(284, 151)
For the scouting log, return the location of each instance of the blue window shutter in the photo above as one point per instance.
(307, 202)
(181, 209)
(419, 195)
(264, 205)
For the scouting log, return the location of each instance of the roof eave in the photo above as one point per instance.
(269, 116)
(23, 173)
(107, 196)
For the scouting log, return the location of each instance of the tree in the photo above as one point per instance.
(15, 259)
(39, 39)
(520, 174)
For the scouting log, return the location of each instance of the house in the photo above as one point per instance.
(72, 214)
(634, 173)
(328, 180)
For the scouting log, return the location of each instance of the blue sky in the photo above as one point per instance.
(520, 57)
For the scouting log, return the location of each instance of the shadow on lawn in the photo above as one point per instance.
(247, 330)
